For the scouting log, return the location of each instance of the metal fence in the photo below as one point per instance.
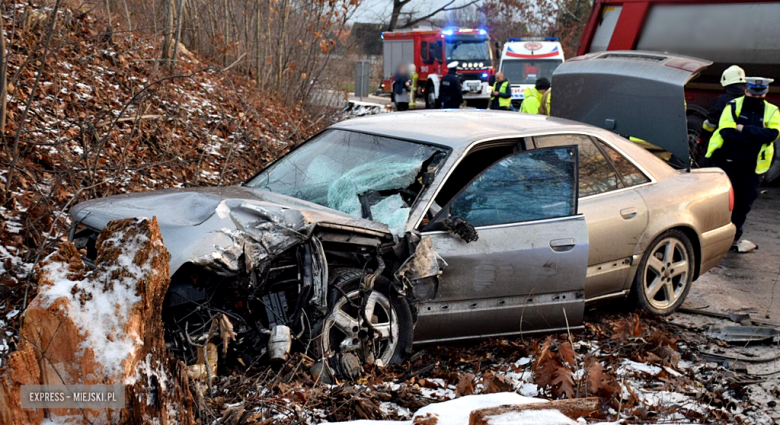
(362, 78)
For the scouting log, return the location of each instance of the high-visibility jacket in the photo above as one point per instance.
(728, 119)
(413, 91)
(532, 101)
(506, 100)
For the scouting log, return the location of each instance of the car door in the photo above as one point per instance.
(526, 272)
(616, 216)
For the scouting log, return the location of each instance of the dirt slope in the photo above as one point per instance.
(102, 116)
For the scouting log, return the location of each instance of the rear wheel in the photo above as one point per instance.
(772, 176)
(665, 273)
(387, 340)
(430, 97)
(695, 123)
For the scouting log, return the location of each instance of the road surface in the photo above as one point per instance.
(747, 283)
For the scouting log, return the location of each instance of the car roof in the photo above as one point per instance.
(457, 128)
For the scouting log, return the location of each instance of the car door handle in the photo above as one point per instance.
(562, 245)
(628, 213)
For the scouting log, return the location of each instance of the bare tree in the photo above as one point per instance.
(398, 6)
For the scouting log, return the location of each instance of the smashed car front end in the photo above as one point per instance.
(252, 268)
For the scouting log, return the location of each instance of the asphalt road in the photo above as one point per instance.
(750, 282)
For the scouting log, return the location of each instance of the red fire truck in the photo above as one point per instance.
(727, 32)
(431, 50)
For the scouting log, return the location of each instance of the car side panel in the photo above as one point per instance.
(616, 222)
(698, 201)
(510, 280)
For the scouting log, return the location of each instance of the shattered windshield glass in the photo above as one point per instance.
(362, 175)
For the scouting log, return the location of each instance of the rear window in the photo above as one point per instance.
(632, 175)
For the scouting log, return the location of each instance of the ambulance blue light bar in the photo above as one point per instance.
(533, 39)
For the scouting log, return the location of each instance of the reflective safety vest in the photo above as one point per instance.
(413, 91)
(728, 119)
(532, 101)
(503, 102)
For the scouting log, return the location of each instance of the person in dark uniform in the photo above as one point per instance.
(450, 92)
(743, 145)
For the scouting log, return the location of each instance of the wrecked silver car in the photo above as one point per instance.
(388, 230)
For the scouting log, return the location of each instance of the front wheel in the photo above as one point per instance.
(665, 273)
(344, 330)
(431, 102)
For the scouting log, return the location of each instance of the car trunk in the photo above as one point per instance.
(635, 94)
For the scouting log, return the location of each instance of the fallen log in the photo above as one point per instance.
(574, 408)
(102, 328)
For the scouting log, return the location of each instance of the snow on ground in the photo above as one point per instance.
(457, 411)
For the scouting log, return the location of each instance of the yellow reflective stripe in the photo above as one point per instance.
(708, 127)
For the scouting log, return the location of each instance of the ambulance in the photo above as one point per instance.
(523, 60)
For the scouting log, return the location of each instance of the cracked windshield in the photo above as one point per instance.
(362, 175)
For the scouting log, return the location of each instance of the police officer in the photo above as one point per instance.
(743, 144)
(733, 81)
(501, 96)
(450, 92)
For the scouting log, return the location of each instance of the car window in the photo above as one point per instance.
(632, 176)
(596, 173)
(530, 185)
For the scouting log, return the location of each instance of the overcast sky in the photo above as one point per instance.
(379, 10)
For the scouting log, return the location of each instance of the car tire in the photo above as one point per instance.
(391, 312)
(772, 176)
(695, 123)
(431, 102)
(660, 287)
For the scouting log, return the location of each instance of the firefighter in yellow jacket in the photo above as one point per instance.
(533, 96)
(743, 145)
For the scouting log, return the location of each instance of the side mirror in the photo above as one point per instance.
(462, 228)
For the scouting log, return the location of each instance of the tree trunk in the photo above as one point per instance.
(396, 14)
(179, 20)
(168, 28)
(3, 84)
(55, 347)
(574, 409)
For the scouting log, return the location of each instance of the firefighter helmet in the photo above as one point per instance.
(732, 75)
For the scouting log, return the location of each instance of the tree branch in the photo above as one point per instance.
(444, 8)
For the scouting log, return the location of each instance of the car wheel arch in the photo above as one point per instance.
(692, 235)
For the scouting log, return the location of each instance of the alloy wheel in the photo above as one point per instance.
(346, 331)
(666, 273)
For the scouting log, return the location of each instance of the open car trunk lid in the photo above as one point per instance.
(632, 93)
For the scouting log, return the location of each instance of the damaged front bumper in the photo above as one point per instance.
(265, 269)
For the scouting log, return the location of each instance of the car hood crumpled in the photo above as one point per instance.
(228, 228)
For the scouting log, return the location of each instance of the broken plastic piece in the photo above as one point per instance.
(279, 344)
(745, 334)
(744, 246)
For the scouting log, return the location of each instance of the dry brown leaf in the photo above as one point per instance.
(465, 385)
(563, 384)
(567, 353)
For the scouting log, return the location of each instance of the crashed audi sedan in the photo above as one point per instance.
(388, 230)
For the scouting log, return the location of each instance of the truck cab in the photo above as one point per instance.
(524, 60)
(431, 50)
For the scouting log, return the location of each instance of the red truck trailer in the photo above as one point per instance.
(431, 50)
(726, 32)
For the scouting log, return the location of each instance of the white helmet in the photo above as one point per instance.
(732, 75)
(412, 68)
